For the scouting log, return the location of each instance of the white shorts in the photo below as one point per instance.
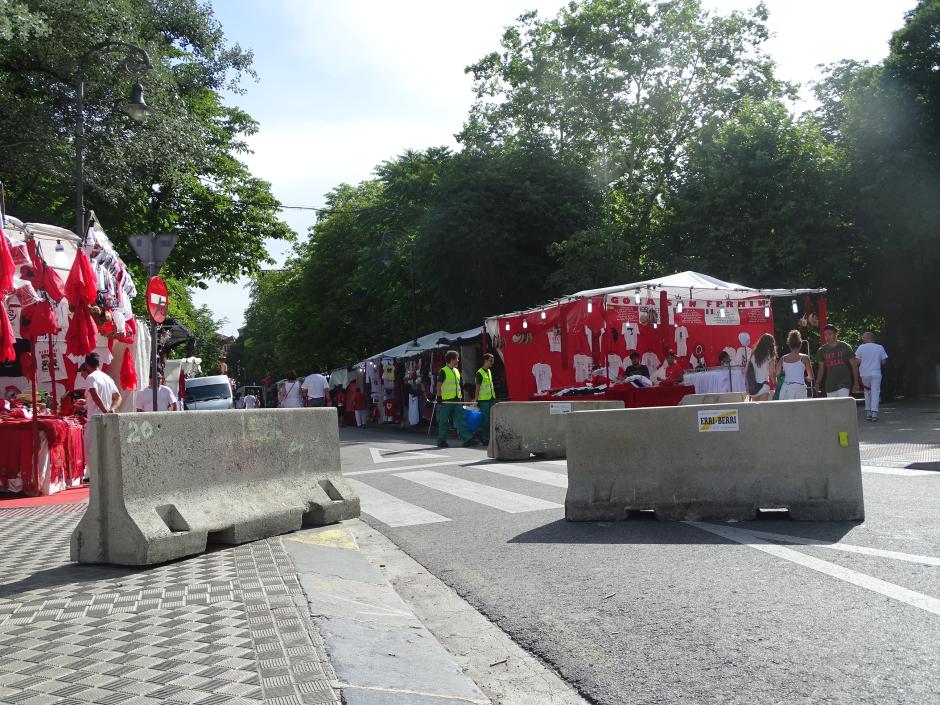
(764, 389)
(844, 392)
(792, 390)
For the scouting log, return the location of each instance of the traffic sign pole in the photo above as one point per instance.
(153, 251)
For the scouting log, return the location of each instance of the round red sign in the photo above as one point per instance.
(157, 299)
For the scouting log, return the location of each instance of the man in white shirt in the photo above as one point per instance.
(315, 389)
(101, 397)
(871, 357)
(250, 401)
(166, 399)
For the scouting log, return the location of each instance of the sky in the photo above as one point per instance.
(347, 84)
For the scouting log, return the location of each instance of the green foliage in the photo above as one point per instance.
(178, 172)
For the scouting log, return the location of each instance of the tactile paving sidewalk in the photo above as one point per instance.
(230, 626)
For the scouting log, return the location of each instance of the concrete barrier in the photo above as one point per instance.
(164, 484)
(713, 398)
(721, 462)
(520, 429)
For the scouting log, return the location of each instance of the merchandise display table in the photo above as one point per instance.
(717, 381)
(61, 455)
(632, 397)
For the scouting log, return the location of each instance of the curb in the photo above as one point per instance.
(381, 652)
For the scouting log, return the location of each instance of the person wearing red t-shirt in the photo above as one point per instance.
(671, 372)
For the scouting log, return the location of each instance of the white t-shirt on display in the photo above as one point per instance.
(315, 385)
(614, 364)
(554, 341)
(872, 355)
(582, 368)
(165, 398)
(741, 356)
(682, 341)
(106, 389)
(631, 332)
(543, 377)
(651, 360)
(590, 338)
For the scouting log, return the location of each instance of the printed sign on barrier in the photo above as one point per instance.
(721, 420)
(559, 408)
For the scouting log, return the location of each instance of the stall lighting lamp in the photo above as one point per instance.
(796, 309)
(721, 312)
(655, 326)
(525, 324)
(637, 298)
(590, 307)
(766, 311)
(507, 325)
(543, 315)
(679, 308)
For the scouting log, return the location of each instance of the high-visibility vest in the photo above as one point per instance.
(486, 388)
(450, 388)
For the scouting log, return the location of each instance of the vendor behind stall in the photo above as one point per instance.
(101, 397)
(671, 371)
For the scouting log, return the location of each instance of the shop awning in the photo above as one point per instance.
(470, 335)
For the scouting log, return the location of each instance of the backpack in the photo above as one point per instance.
(750, 380)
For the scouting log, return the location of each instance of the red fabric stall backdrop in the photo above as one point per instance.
(563, 348)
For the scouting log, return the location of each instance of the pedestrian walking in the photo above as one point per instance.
(166, 399)
(871, 359)
(837, 371)
(796, 369)
(339, 400)
(289, 396)
(315, 389)
(450, 402)
(356, 401)
(762, 361)
(485, 396)
(249, 401)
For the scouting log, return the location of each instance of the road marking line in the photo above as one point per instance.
(882, 587)
(905, 472)
(377, 456)
(375, 471)
(391, 510)
(556, 462)
(846, 547)
(503, 500)
(544, 477)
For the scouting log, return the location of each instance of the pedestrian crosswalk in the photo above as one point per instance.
(479, 483)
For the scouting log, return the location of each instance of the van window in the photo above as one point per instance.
(208, 392)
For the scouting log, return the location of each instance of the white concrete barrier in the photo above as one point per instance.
(719, 462)
(165, 484)
(713, 398)
(520, 429)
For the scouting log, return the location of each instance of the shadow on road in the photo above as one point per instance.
(647, 530)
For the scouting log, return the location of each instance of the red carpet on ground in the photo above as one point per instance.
(76, 494)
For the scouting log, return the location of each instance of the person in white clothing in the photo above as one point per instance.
(289, 395)
(250, 401)
(315, 390)
(762, 362)
(166, 399)
(796, 369)
(872, 358)
(101, 397)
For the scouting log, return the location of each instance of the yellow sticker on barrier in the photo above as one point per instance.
(844, 439)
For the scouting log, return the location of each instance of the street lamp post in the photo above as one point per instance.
(136, 57)
(387, 261)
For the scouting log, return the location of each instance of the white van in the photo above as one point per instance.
(214, 392)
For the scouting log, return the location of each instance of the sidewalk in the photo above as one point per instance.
(230, 626)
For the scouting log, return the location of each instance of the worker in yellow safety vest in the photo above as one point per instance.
(485, 396)
(450, 402)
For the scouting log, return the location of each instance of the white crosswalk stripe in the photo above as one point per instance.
(503, 500)
(391, 510)
(543, 477)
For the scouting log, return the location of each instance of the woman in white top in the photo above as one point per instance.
(796, 369)
(289, 396)
(763, 361)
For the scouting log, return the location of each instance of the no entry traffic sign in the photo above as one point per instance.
(157, 299)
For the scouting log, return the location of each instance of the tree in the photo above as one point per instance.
(179, 172)
(623, 86)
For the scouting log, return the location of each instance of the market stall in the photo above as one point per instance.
(62, 297)
(583, 341)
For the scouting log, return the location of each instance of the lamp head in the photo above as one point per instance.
(137, 107)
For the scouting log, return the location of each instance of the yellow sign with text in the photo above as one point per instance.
(717, 421)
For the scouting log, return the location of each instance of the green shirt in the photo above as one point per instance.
(837, 359)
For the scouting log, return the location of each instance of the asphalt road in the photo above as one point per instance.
(654, 612)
